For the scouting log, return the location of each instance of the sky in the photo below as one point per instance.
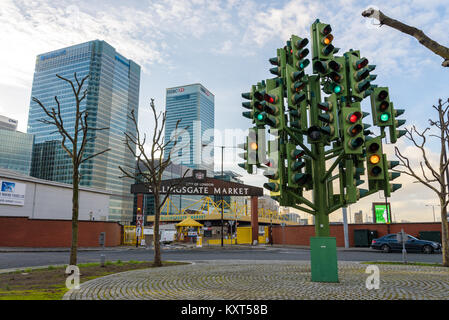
(225, 46)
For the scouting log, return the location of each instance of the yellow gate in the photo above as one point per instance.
(129, 235)
(244, 235)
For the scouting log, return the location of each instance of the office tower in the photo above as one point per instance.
(15, 147)
(112, 92)
(194, 106)
(8, 123)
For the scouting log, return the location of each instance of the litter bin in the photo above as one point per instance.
(430, 235)
(362, 238)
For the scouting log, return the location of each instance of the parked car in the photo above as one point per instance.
(389, 243)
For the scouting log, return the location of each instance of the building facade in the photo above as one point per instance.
(112, 92)
(25, 196)
(15, 147)
(194, 107)
(8, 123)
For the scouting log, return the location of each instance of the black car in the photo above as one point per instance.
(389, 243)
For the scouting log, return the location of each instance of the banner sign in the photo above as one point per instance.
(199, 184)
(381, 213)
(12, 193)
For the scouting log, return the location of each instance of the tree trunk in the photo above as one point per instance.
(157, 246)
(75, 211)
(444, 235)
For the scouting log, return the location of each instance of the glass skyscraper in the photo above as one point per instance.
(15, 147)
(112, 92)
(193, 105)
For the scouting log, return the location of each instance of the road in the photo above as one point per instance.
(31, 259)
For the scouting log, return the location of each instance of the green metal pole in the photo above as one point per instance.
(319, 192)
(319, 165)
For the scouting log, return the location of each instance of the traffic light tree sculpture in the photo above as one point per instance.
(317, 122)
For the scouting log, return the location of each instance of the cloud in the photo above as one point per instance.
(144, 34)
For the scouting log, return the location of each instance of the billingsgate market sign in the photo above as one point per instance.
(199, 184)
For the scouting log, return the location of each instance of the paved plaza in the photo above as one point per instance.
(265, 280)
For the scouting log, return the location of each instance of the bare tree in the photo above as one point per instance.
(435, 178)
(73, 144)
(430, 44)
(151, 166)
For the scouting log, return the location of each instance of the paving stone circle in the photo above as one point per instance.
(265, 280)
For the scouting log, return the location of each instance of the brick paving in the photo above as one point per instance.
(265, 280)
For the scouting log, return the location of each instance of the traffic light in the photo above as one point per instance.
(329, 117)
(275, 170)
(248, 104)
(256, 105)
(394, 133)
(245, 165)
(295, 164)
(334, 72)
(389, 176)
(296, 84)
(254, 146)
(323, 48)
(381, 107)
(358, 74)
(352, 128)
(375, 160)
(273, 114)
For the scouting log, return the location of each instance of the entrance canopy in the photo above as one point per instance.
(189, 222)
(199, 184)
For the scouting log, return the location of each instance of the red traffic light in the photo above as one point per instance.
(354, 117)
(270, 98)
(361, 63)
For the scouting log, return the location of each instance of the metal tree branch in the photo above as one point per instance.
(423, 39)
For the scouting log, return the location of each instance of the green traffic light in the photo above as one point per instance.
(260, 117)
(384, 117)
(302, 64)
(337, 88)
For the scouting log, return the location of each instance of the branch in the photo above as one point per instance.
(430, 44)
(94, 155)
(406, 163)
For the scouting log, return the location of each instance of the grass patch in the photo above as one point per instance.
(404, 264)
(49, 283)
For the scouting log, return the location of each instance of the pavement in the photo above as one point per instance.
(175, 246)
(266, 280)
(257, 280)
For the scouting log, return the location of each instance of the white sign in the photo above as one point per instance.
(148, 232)
(138, 231)
(12, 193)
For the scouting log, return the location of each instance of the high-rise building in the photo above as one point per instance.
(193, 106)
(15, 147)
(8, 123)
(112, 92)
